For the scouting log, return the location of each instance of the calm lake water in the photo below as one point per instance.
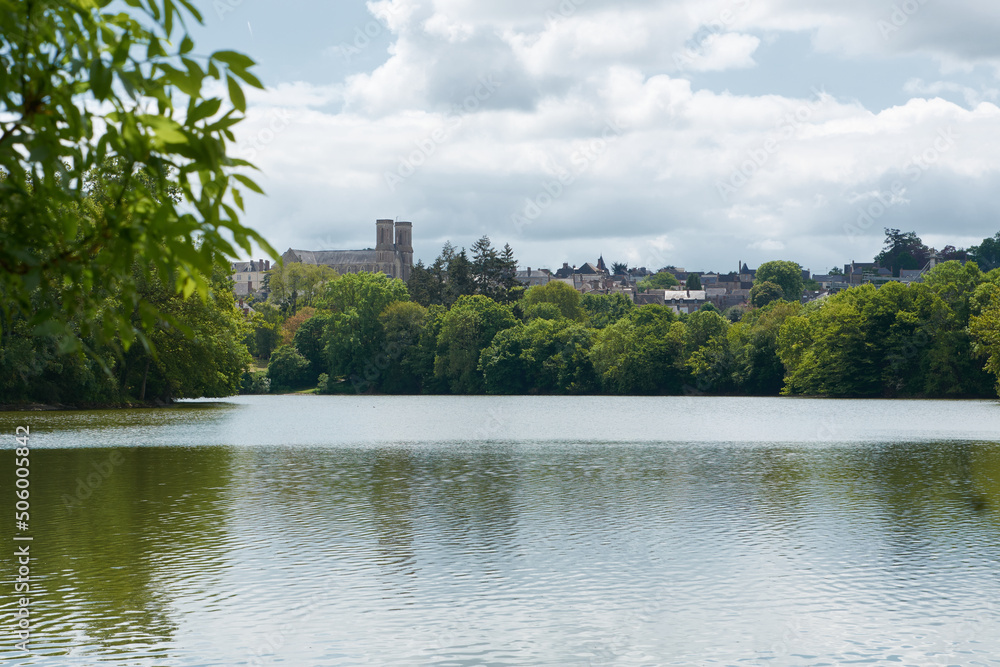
(308, 530)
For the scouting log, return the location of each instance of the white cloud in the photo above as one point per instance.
(722, 52)
(564, 131)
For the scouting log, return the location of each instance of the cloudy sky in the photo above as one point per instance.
(696, 133)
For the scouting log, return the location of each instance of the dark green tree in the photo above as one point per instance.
(403, 323)
(510, 289)
(558, 293)
(787, 275)
(310, 341)
(753, 341)
(423, 285)
(266, 324)
(118, 93)
(466, 330)
(354, 338)
(486, 268)
(693, 281)
(661, 280)
(546, 356)
(765, 292)
(987, 253)
(288, 370)
(460, 278)
(902, 251)
(605, 309)
(642, 353)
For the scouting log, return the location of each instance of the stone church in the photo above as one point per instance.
(393, 253)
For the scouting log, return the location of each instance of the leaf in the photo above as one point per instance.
(186, 44)
(191, 8)
(120, 54)
(236, 94)
(237, 61)
(166, 129)
(168, 17)
(251, 79)
(100, 80)
(189, 83)
(206, 109)
(49, 327)
(245, 180)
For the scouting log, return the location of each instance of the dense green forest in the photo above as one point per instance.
(482, 333)
(370, 333)
(119, 204)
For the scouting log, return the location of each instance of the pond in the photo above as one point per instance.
(323, 530)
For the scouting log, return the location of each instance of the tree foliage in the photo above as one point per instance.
(902, 250)
(288, 370)
(466, 330)
(558, 293)
(198, 349)
(898, 340)
(787, 275)
(354, 337)
(661, 280)
(642, 353)
(296, 285)
(605, 309)
(987, 253)
(764, 292)
(546, 356)
(113, 154)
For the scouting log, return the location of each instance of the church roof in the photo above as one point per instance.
(334, 257)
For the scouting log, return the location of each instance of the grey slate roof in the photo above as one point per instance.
(333, 257)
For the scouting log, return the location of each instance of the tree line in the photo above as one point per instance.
(367, 333)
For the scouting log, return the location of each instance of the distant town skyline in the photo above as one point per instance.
(653, 133)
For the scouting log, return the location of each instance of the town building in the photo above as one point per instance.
(533, 277)
(680, 301)
(249, 277)
(392, 254)
(855, 273)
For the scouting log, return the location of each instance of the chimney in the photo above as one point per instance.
(267, 265)
(529, 271)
